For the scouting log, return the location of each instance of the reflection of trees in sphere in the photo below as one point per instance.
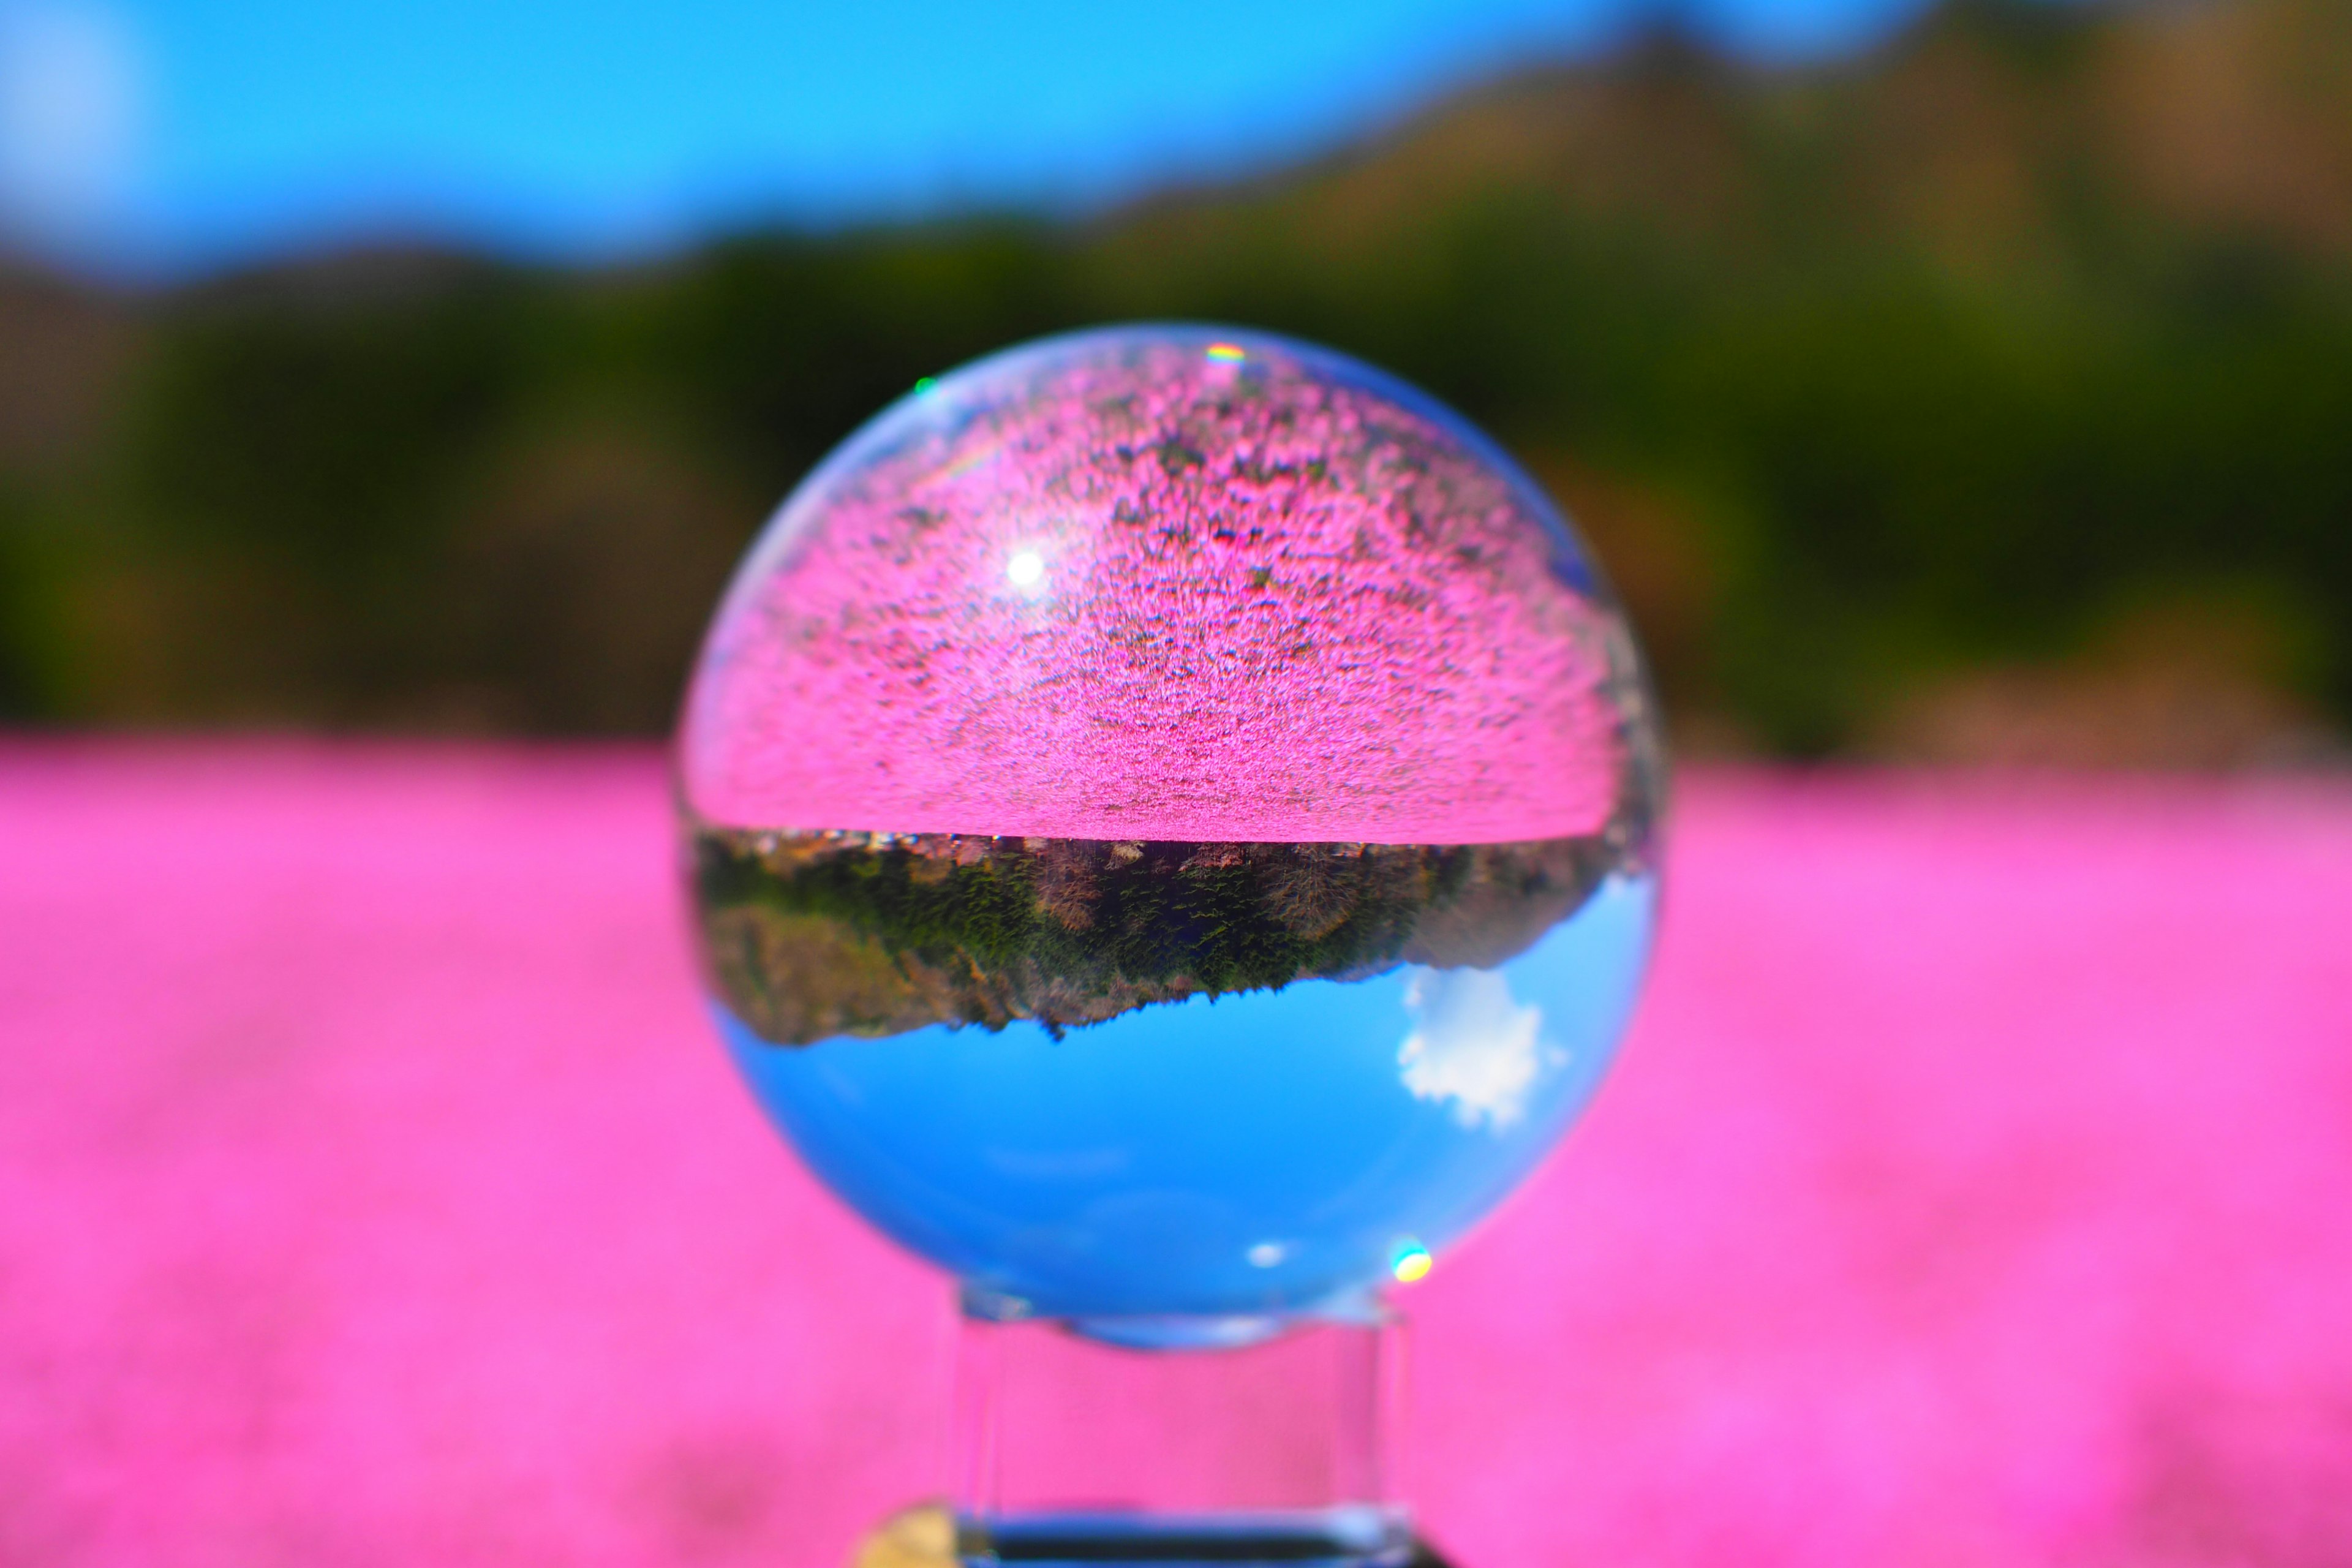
(1171, 820)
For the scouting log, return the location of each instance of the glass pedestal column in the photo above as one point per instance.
(1169, 1440)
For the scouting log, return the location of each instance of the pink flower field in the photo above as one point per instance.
(1975, 1188)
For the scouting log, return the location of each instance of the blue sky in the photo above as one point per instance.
(164, 134)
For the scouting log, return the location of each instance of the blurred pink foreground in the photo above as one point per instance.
(1977, 1188)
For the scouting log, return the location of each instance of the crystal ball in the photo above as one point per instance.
(1170, 815)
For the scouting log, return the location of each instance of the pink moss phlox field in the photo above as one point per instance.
(1972, 1190)
(1119, 587)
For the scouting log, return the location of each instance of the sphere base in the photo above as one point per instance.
(1333, 1538)
(1077, 1444)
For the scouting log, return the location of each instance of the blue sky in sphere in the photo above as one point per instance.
(163, 134)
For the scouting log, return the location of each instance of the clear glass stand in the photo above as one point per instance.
(1173, 1440)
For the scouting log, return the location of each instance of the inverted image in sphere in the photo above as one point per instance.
(1170, 815)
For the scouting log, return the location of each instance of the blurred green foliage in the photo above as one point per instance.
(1862, 378)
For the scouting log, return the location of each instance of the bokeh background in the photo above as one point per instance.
(1960, 394)
(1962, 383)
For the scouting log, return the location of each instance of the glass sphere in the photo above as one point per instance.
(1171, 823)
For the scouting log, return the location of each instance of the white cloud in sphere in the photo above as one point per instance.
(1472, 1044)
